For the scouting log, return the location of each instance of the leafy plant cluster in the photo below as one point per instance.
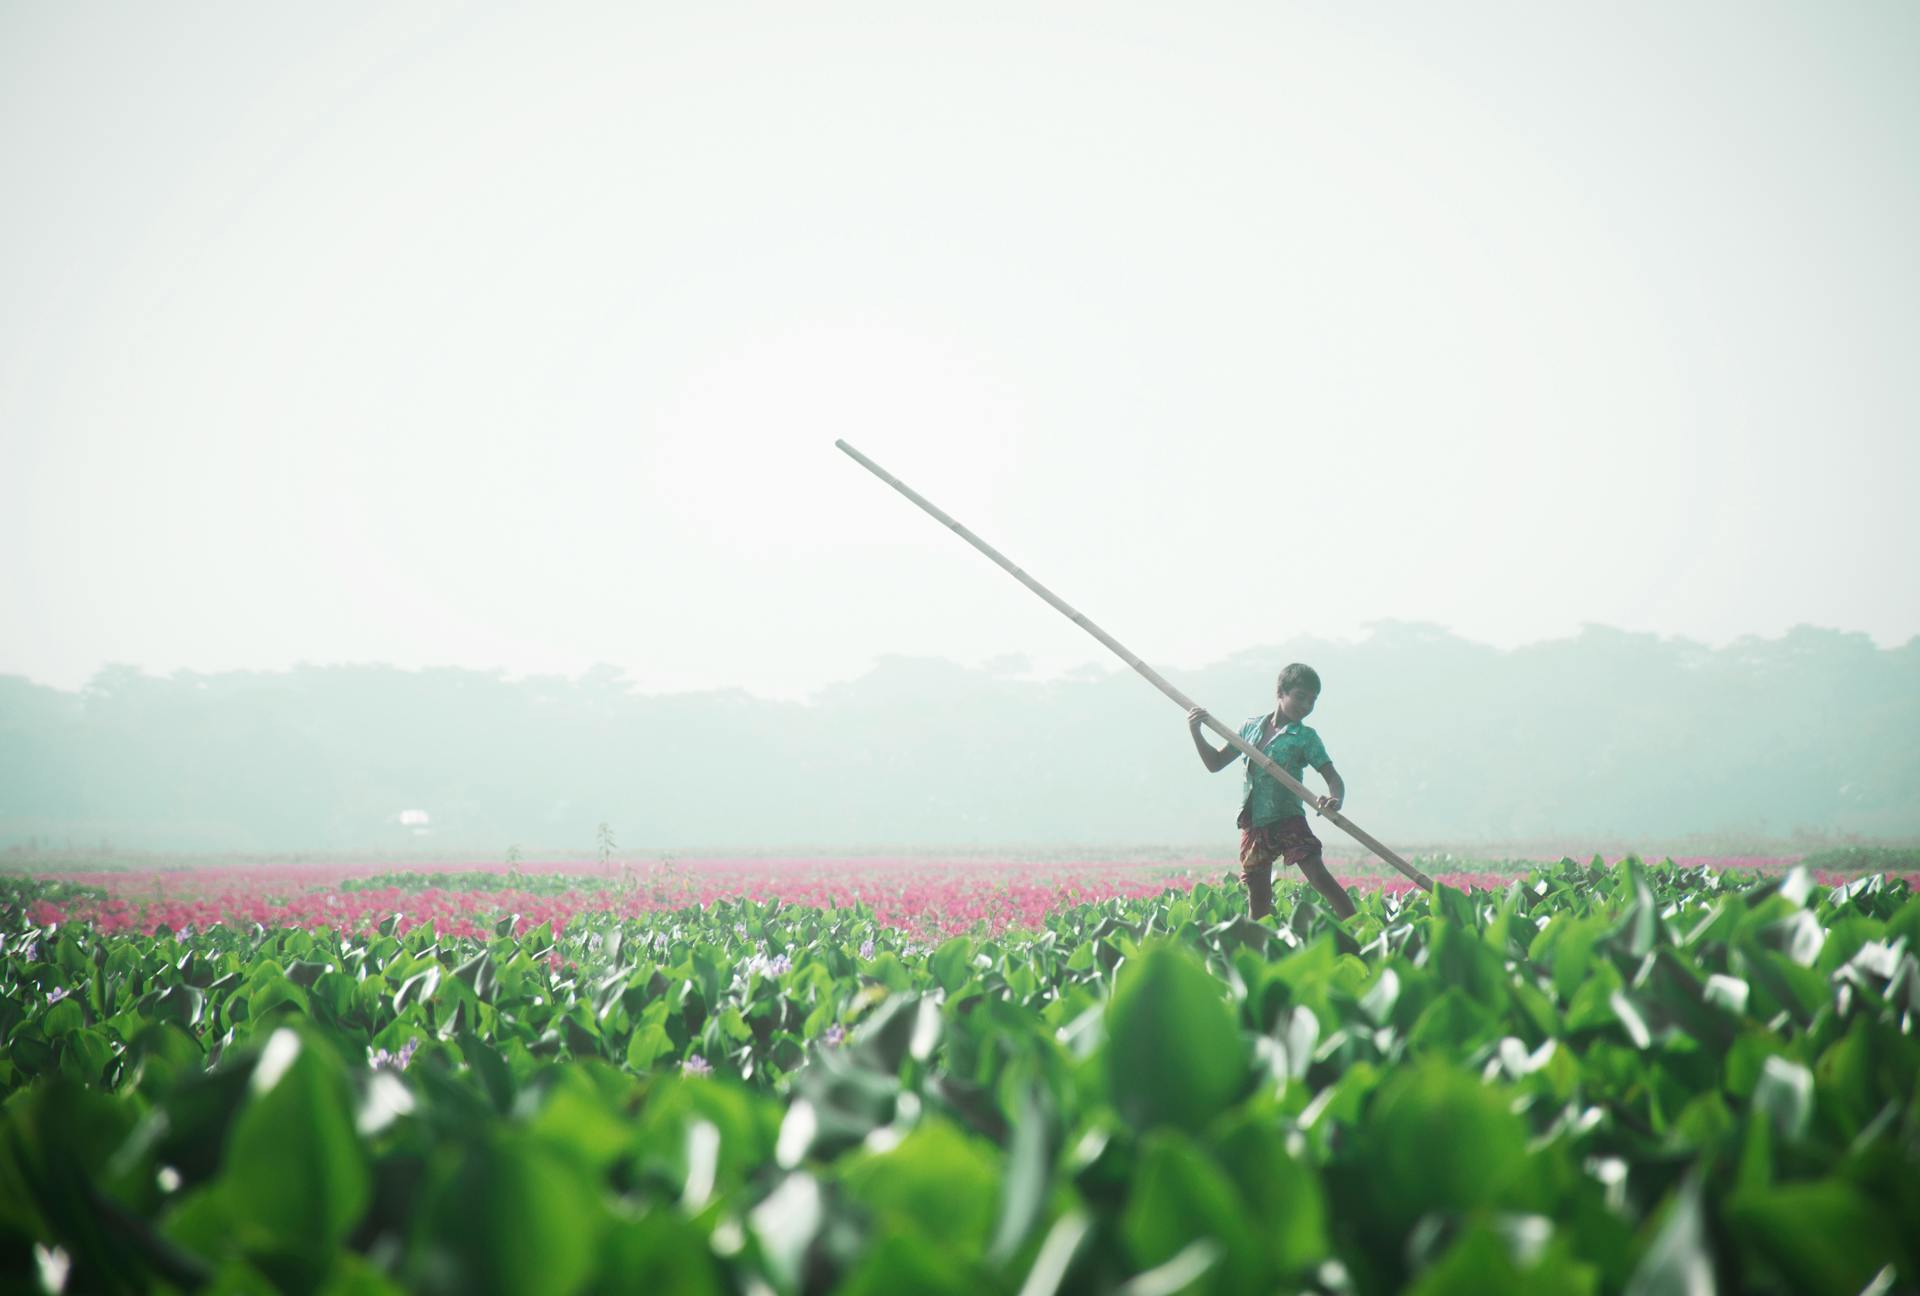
(1865, 859)
(17, 891)
(1594, 1080)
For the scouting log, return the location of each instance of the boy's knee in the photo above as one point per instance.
(1329, 886)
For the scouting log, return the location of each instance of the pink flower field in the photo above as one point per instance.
(924, 896)
(928, 897)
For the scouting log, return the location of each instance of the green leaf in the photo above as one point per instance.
(1174, 1053)
(165, 1055)
(661, 1251)
(747, 1122)
(1824, 1236)
(1706, 1123)
(1057, 1254)
(417, 988)
(1729, 994)
(1023, 1189)
(1845, 1075)
(85, 1055)
(491, 1069)
(901, 1262)
(904, 1026)
(1784, 1094)
(937, 1183)
(1639, 924)
(952, 963)
(295, 1171)
(1179, 1195)
(58, 1143)
(1282, 1192)
(1453, 1023)
(785, 1225)
(647, 1044)
(353, 1276)
(1678, 1260)
(67, 1015)
(1486, 1262)
(1481, 1162)
(1591, 1007)
(1754, 1169)
(734, 1025)
(1379, 1000)
(1195, 1269)
(576, 1120)
(505, 1215)
(1799, 990)
(1571, 941)
(180, 1003)
(1454, 906)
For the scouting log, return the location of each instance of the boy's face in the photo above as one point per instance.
(1297, 703)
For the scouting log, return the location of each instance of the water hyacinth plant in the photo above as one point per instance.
(395, 1061)
(1586, 1077)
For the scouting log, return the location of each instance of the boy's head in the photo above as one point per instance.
(1297, 691)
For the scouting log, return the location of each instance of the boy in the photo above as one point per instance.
(1272, 821)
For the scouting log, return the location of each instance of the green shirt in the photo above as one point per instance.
(1293, 748)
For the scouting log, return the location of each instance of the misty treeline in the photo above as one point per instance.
(1604, 738)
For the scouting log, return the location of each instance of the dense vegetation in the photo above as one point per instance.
(1607, 737)
(1865, 859)
(1593, 1080)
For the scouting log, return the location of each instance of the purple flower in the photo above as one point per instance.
(777, 965)
(866, 949)
(395, 1061)
(697, 1065)
(833, 1036)
(56, 994)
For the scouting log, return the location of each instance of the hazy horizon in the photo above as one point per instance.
(1602, 739)
(1017, 667)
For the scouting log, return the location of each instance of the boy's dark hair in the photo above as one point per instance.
(1298, 674)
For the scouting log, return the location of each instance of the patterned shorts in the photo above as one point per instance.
(1288, 838)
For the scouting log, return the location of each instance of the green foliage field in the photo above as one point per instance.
(1866, 859)
(1594, 1080)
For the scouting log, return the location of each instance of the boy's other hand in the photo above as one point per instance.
(1327, 804)
(1196, 717)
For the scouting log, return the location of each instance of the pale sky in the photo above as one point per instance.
(518, 337)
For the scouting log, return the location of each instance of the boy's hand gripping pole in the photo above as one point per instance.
(1153, 677)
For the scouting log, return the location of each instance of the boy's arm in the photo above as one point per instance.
(1215, 761)
(1336, 789)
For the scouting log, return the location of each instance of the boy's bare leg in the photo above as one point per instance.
(1315, 869)
(1257, 873)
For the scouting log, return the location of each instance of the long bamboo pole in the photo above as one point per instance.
(1153, 677)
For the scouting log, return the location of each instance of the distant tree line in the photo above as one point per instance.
(1604, 736)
